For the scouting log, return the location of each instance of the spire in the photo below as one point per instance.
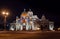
(24, 10)
(29, 9)
(43, 17)
(17, 17)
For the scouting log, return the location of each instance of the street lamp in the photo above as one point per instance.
(5, 16)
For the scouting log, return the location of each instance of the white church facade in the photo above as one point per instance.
(28, 21)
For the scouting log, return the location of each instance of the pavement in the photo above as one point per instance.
(29, 34)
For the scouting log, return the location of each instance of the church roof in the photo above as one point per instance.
(24, 13)
(43, 17)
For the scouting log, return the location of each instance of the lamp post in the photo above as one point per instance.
(5, 16)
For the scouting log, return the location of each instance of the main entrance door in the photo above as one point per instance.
(44, 28)
(24, 27)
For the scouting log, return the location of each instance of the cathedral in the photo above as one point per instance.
(29, 21)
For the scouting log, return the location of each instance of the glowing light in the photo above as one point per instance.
(31, 22)
(24, 14)
(12, 29)
(38, 28)
(51, 27)
(7, 13)
(23, 23)
(58, 28)
(3, 13)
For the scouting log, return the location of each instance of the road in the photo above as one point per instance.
(29, 34)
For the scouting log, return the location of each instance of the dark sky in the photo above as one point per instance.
(51, 9)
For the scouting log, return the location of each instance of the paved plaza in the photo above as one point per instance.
(29, 34)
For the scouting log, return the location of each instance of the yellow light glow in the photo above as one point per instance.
(7, 13)
(38, 28)
(31, 22)
(3, 13)
(24, 14)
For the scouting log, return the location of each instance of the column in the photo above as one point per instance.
(32, 25)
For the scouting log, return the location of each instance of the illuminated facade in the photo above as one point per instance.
(46, 24)
(28, 21)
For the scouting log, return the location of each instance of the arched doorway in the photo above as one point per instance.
(24, 27)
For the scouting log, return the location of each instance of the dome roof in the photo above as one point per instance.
(24, 14)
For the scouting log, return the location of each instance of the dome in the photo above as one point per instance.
(24, 13)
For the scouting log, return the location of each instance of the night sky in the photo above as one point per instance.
(51, 9)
